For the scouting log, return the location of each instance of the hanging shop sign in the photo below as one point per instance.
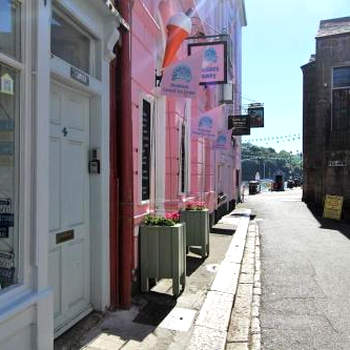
(333, 207)
(240, 124)
(222, 140)
(214, 66)
(181, 79)
(256, 115)
(205, 124)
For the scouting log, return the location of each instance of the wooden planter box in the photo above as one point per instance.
(197, 229)
(163, 255)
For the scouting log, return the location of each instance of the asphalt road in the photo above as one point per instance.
(305, 275)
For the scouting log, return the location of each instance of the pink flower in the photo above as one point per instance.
(196, 205)
(173, 216)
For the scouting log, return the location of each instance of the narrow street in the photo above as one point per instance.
(305, 261)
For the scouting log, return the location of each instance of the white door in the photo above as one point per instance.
(69, 263)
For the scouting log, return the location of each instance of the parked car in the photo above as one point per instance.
(297, 182)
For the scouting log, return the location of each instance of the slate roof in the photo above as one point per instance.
(334, 26)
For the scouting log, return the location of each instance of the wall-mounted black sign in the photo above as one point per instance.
(240, 124)
(256, 117)
(146, 149)
(80, 76)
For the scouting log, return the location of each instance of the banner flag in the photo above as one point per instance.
(205, 124)
(222, 140)
(181, 79)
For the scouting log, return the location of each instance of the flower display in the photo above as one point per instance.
(196, 205)
(170, 219)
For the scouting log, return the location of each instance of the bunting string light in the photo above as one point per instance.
(273, 139)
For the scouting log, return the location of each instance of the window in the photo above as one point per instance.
(183, 159)
(146, 150)
(70, 44)
(10, 28)
(9, 118)
(341, 109)
(341, 77)
(341, 98)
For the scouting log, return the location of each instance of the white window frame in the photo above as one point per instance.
(21, 200)
(150, 100)
(93, 69)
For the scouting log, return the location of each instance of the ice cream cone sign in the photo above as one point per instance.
(179, 28)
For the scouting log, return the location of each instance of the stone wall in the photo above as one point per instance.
(321, 143)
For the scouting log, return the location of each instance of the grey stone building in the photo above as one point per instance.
(326, 116)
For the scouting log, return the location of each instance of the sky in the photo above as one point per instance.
(278, 40)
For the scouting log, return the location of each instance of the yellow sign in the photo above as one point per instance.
(333, 207)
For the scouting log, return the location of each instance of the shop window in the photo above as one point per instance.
(9, 116)
(70, 44)
(146, 151)
(10, 28)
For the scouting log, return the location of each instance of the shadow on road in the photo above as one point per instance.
(341, 226)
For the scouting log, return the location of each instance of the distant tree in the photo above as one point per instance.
(267, 161)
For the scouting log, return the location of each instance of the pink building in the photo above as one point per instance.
(161, 166)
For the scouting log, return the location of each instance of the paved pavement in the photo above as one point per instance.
(305, 275)
(197, 320)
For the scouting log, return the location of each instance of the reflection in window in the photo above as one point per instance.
(10, 28)
(69, 44)
(9, 112)
(341, 77)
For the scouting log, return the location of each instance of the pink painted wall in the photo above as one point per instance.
(146, 44)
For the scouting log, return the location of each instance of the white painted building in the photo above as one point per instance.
(54, 214)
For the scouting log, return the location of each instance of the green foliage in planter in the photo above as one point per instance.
(154, 220)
